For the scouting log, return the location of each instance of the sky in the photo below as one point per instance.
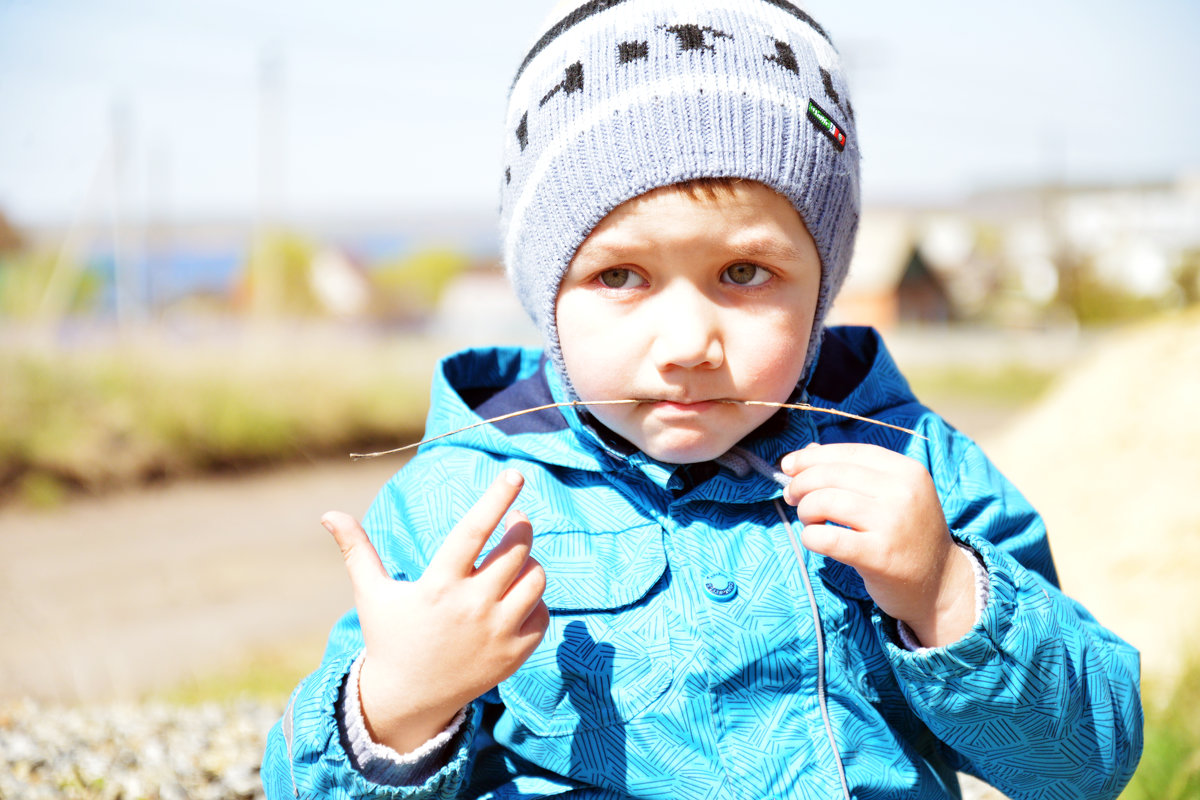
(157, 107)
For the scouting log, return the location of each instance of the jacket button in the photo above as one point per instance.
(720, 587)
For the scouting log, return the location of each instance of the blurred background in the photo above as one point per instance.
(235, 238)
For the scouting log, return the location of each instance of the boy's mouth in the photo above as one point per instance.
(683, 405)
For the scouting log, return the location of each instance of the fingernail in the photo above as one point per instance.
(789, 463)
(513, 478)
(326, 524)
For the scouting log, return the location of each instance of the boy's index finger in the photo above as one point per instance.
(797, 461)
(465, 541)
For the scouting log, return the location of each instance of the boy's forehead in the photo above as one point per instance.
(743, 215)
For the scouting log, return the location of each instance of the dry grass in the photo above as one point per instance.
(97, 418)
(1111, 458)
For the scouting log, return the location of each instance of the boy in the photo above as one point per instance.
(679, 207)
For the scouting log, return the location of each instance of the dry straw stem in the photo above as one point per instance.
(629, 401)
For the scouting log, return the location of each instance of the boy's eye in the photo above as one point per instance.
(620, 278)
(746, 274)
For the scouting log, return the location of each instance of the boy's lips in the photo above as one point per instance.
(684, 405)
(683, 399)
(693, 405)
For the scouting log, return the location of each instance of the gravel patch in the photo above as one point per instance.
(126, 751)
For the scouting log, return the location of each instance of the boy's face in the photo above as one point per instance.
(683, 301)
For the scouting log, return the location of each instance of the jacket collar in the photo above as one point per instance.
(854, 373)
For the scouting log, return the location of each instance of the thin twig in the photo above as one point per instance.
(629, 401)
(501, 418)
(807, 407)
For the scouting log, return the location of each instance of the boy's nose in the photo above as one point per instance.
(687, 334)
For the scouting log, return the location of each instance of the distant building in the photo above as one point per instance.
(1005, 255)
(912, 266)
(869, 297)
(11, 241)
(1132, 237)
(480, 309)
(921, 295)
(339, 282)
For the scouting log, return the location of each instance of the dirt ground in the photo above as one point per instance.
(111, 598)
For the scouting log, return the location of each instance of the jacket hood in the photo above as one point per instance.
(855, 373)
(484, 383)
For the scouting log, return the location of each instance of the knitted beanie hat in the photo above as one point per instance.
(619, 97)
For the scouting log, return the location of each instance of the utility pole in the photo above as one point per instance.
(126, 271)
(157, 224)
(267, 279)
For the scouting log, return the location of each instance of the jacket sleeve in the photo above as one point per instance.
(1038, 699)
(306, 755)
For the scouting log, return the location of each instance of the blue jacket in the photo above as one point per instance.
(696, 651)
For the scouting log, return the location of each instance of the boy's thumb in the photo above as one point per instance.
(362, 562)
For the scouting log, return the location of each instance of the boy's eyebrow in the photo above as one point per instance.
(594, 7)
(768, 250)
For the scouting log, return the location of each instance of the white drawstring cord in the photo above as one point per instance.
(822, 698)
(741, 462)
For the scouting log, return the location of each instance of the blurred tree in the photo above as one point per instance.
(39, 285)
(410, 287)
(1187, 276)
(1093, 301)
(276, 279)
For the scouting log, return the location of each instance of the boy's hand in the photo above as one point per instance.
(437, 643)
(895, 533)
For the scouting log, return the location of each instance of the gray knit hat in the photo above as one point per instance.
(618, 97)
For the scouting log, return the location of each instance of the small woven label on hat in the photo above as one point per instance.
(825, 123)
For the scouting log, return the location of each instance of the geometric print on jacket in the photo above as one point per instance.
(681, 659)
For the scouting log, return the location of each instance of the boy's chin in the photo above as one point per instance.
(695, 444)
(684, 452)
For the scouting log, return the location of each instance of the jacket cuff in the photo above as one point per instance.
(979, 646)
(318, 751)
(379, 763)
(982, 590)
